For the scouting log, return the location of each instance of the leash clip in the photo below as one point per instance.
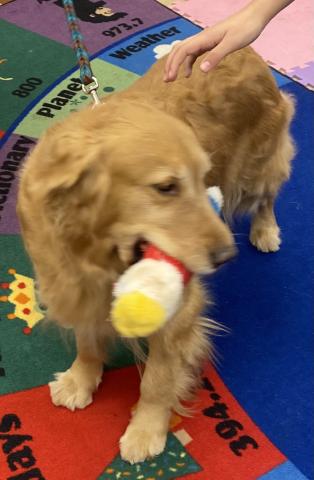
(91, 89)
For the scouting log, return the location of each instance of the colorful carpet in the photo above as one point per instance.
(254, 413)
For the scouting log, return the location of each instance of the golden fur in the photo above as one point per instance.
(135, 168)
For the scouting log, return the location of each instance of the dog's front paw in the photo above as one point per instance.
(66, 391)
(266, 239)
(138, 444)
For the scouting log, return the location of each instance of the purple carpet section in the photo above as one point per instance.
(11, 156)
(126, 18)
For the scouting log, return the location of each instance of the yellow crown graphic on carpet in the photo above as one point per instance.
(23, 297)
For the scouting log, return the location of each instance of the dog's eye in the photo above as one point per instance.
(170, 188)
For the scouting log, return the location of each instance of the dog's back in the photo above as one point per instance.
(241, 119)
(237, 111)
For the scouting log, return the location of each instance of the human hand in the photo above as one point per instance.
(225, 37)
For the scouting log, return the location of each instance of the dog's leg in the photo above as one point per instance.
(74, 387)
(147, 432)
(169, 376)
(265, 233)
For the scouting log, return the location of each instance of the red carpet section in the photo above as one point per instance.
(40, 441)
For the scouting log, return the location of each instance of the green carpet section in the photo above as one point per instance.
(68, 97)
(174, 462)
(29, 67)
(34, 349)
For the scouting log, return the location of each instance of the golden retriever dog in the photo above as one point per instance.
(136, 169)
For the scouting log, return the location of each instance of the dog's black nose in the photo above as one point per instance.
(222, 255)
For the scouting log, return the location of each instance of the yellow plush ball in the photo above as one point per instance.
(137, 315)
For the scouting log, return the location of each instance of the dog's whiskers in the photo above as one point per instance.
(213, 327)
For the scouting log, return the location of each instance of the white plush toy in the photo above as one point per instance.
(149, 293)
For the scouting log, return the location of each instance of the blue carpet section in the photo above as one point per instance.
(267, 301)
(281, 79)
(286, 471)
(175, 30)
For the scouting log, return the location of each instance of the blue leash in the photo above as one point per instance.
(89, 82)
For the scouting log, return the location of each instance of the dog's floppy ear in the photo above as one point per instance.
(66, 157)
(76, 182)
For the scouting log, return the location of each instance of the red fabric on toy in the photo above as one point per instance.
(151, 251)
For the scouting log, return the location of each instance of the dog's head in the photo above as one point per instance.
(125, 174)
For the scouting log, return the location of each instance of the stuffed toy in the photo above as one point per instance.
(150, 292)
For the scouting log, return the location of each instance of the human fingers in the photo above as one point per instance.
(175, 59)
(218, 53)
(189, 62)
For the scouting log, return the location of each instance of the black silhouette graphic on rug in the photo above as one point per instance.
(88, 11)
